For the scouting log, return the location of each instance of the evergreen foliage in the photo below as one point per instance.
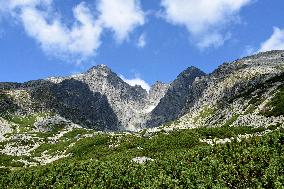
(181, 160)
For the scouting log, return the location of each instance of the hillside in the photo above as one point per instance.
(237, 157)
(245, 92)
(92, 130)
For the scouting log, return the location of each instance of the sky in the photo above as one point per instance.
(143, 41)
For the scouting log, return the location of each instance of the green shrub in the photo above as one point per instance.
(276, 104)
(180, 161)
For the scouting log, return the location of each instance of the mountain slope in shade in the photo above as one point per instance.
(179, 92)
(97, 99)
(46, 120)
(241, 93)
(237, 93)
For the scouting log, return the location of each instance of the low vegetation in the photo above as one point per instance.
(181, 160)
(276, 105)
(206, 112)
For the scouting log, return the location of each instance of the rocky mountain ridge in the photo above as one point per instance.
(46, 120)
(97, 99)
(236, 93)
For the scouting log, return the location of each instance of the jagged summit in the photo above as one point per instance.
(157, 92)
(187, 76)
(175, 98)
(190, 70)
(99, 67)
(101, 70)
(100, 99)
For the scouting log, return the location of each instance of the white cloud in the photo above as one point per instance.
(121, 16)
(136, 81)
(275, 41)
(44, 25)
(205, 20)
(213, 39)
(141, 41)
(82, 38)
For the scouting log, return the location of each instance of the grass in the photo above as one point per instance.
(231, 120)
(10, 161)
(205, 113)
(98, 147)
(75, 133)
(25, 123)
(3, 96)
(181, 160)
(276, 105)
(250, 109)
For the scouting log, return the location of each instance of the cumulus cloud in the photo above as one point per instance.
(274, 42)
(136, 81)
(83, 37)
(121, 16)
(213, 39)
(141, 41)
(205, 20)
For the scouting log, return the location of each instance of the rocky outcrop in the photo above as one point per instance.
(178, 94)
(5, 128)
(73, 100)
(126, 101)
(96, 99)
(157, 92)
(234, 94)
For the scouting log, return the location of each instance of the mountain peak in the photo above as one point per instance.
(191, 72)
(102, 66)
(101, 70)
(192, 69)
(99, 67)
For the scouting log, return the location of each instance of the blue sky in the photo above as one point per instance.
(144, 41)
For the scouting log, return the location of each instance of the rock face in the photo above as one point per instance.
(179, 92)
(236, 93)
(157, 92)
(125, 100)
(73, 100)
(5, 128)
(97, 99)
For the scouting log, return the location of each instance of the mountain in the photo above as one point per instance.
(241, 93)
(97, 99)
(235, 93)
(94, 130)
(178, 94)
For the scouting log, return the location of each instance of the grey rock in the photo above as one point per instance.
(99, 99)
(178, 94)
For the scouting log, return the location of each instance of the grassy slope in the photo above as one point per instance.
(276, 104)
(181, 161)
